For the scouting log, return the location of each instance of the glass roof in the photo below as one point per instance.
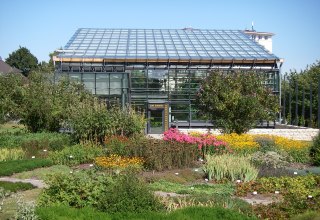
(190, 44)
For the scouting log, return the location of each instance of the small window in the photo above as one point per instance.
(260, 37)
(266, 37)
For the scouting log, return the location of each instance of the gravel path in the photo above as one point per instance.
(36, 183)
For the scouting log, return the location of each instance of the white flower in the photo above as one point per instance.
(33, 157)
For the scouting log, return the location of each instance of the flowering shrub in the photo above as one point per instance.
(119, 162)
(206, 143)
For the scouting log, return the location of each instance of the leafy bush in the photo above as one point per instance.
(11, 154)
(46, 105)
(14, 187)
(239, 100)
(77, 154)
(8, 168)
(25, 210)
(128, 194)
(230, 167)
(93, 120)
(121, 193)
(315, 151)
(160, 155)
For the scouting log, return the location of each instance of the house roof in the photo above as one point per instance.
(6, 68)
(97, 44)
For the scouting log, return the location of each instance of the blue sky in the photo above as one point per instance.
(44, 26)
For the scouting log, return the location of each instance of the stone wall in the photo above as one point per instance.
(305, 134)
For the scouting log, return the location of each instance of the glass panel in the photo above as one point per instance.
(75, 77)
(89, 81)
(102, 84)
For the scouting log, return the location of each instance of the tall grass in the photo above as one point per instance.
(11, 154)
(230, 167)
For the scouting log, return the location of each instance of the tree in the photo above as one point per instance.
(11, 95)
(235, 101)
(23, 59)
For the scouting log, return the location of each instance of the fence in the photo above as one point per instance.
(300, 102)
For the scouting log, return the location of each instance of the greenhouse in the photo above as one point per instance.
(159, 70)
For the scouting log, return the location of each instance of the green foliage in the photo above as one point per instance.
(34, 144)
(265, 143)
(8, 168)
(25, 210)
(315, 151)
(15, 187)
(93, 120)
(78, 189)
(294, 190)
(23, 60)
(305, 78)
(309, 215)
(161, 155)
(121, 193)
(45, 104)
(42, 173)
(87, 213)
(11, 154)
(235, 101)
(128, 194)
(230, 167)
(77, 154)
(195, 189)
(11, 93)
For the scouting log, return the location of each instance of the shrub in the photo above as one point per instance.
(25, 210)
(14, 187)
(77, 154)
(11, 154)
(160, 155)
(121, 193)
(93, 120)
(315, 151)
(128, 194)
(8, 168)
(239, 100)
(230, 167)
(79, 189)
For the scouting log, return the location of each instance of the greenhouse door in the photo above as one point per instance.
(157, 118)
